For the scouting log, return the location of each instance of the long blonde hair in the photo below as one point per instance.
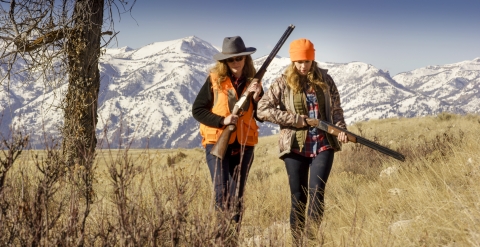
(221, 69)
(314, 76)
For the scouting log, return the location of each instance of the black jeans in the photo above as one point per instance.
(228, 175)
(298, 167)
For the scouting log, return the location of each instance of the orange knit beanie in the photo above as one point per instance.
(301, 49)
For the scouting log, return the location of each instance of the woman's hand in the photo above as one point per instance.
(256, 88)
(230, 119)
(342, 137)
(300, 121)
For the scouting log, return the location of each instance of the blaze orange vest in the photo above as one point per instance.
(224, 99)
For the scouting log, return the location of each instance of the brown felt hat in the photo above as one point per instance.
(233, 47)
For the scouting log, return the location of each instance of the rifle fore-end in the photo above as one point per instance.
(331, 129)
(336, 131)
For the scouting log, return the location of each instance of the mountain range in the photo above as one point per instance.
(146, 94)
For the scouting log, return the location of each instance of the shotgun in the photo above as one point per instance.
(335, 130)
(220, 146)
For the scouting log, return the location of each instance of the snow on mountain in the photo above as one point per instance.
(370, 93)
(455, 84)
(149, 91)
(146, 94)
(25, 103)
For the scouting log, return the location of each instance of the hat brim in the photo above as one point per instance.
(221, 56)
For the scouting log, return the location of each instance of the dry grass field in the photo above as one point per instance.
(164, 197)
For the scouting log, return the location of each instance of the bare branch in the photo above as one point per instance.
(106, 42)
(39, 42)
(11, 14)
(6, 38)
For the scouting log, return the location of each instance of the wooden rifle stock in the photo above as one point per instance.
(335, 130)
(221, 145)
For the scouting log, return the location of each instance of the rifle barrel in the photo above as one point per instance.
(380, 148)
(335, 130)
(276, 48)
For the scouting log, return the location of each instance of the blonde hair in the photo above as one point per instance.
(221, 69)
(314, 76)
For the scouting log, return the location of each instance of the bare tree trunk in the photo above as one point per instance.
(80, 119)
(56, 40)
(84, 82)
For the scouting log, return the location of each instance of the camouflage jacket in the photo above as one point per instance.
(276, 106)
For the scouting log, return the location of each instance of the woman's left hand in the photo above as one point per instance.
(256, 88)
(342, 137)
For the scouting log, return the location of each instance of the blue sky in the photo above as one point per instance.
(391, 35)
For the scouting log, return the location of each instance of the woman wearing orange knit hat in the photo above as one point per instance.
(304, 91)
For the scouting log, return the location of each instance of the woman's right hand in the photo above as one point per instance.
(300, 121)
(230, 119)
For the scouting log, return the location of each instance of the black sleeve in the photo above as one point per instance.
(255, 107)
(202, 107)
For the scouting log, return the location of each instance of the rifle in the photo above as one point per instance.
(220, 147)
(335, 130)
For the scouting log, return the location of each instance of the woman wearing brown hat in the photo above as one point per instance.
(304, 91)
(228, 80)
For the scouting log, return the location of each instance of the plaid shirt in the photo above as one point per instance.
(315, 141)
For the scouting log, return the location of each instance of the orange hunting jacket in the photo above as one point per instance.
(225, 98)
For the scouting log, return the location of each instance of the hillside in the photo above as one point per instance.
(146, 94)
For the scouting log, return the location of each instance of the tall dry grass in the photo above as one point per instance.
(164, 197)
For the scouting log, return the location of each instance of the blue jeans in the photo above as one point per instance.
(228, 175)
(300, 180)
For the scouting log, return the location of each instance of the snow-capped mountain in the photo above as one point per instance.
(150, 91)
(457, 85)
(146, 94)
